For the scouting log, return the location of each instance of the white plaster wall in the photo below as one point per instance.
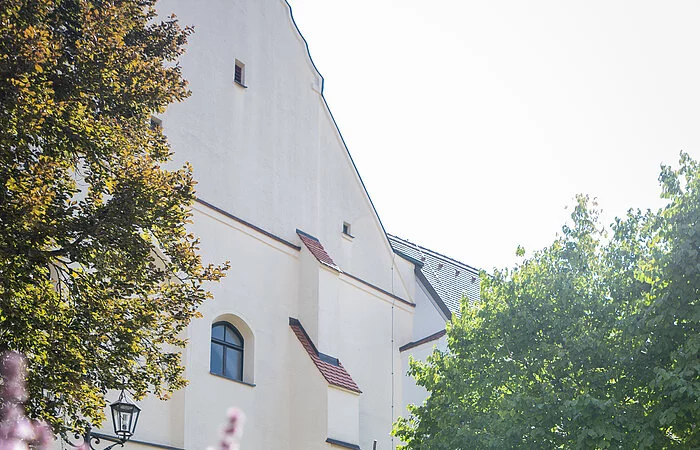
(273, 143)
(329, 283)
(309, 272)
(343, 415)
(287, 408)
(428, 319)
(308, 408)
(405, 272)
(261, 289)
(365, 348)
(271, 155)
(160, 421)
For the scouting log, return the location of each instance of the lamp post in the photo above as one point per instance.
(125, 415)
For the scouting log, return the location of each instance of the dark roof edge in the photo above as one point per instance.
(337, 128)
(432, 337)
(306, 44)
(296, 323)
(433, 293)
(320, 258)
(368, 284)
(408, 258)
(343, 444)
(296, 247)
(357, 172)
(248, 224)
(437, 254)
(304, 233)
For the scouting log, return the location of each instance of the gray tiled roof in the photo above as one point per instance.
(450, 278)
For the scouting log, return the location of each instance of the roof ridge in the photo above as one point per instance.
(434, 253)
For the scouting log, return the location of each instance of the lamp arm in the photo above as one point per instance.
(97, 437)
(74, 444)
(96, 440)
(90, 439)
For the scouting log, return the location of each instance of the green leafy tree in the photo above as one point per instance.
(98, 275)
(591, 343)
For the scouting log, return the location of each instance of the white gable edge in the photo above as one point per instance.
(340, 137)
(309, 59)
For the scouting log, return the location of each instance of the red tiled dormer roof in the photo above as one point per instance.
(335, 375)
(316, 249)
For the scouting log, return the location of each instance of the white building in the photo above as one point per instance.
(310, 331)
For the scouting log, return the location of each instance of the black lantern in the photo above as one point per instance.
(124, 417)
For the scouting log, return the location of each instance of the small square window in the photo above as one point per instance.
(346, 228)
(239, 73)
(156, 124)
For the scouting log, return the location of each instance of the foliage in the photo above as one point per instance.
(591, 343)
(98, 275)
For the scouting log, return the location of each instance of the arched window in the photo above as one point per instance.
(226, 351)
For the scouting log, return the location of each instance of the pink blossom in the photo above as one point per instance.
(232, 430)
(16, 430)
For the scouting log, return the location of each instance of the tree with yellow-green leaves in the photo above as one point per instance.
(98, 275)
(592, 343)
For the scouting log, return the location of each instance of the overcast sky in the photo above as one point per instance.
(475, 123)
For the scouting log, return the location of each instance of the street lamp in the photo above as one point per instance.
(124, 418)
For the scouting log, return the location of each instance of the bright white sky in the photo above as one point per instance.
(475, 123)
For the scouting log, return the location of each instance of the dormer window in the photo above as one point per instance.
(239, 73)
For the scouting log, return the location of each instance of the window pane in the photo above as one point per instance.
(217, 332)
(124, 421)
(234, 364)
(232, 337)
(217, 359)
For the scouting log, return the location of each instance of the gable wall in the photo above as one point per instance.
(270, 153)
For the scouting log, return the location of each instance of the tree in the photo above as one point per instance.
(98, 275)
(593, 342)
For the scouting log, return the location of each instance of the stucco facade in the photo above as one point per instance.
(324, 304)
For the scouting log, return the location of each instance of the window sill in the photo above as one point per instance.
(240, 84)
(245, 383)
(349, 237)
